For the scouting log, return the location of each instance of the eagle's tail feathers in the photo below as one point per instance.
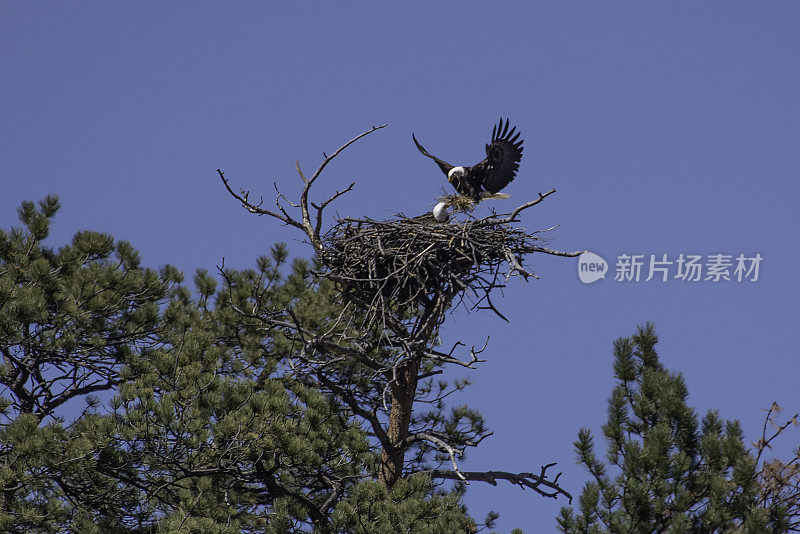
(486, 195)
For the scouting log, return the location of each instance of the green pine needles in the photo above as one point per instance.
(132, 403)
(665, 470)
(254, 402)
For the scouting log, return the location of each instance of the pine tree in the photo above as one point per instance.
(134, 403)
(207, 424)
(674, 473)
(396, 281)
(69, 321)
(274, 399)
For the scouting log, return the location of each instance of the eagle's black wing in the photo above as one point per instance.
(503, 157)
(446, 167)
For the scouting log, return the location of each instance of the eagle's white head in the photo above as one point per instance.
(440, 212)
(455, 172)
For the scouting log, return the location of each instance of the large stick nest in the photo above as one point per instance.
(399, 264)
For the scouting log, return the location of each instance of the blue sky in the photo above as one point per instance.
(667, 128)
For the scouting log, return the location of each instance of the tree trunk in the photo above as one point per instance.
(403, 394)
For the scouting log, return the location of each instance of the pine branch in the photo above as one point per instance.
(523, 480)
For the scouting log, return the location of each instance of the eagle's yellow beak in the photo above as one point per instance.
(454, 173)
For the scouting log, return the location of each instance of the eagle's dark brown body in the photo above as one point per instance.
(492, 174)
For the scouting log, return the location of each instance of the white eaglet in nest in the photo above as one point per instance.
(485, 179)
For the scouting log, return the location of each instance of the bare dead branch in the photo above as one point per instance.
(512, 217)
(312, 231)
(449, 358)
(539, 483)
(256, 208)
(493, 308)
(779, 480)
(321, 207)
(558, 252)
(443, 445)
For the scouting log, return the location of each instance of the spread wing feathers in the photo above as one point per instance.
(446, 167)
(503, 157)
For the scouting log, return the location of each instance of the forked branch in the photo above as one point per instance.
(538, 483)
(313, 232)
(512, 217)
(304, 223)
(244, 197)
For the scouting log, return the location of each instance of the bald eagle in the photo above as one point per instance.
(485, 179)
